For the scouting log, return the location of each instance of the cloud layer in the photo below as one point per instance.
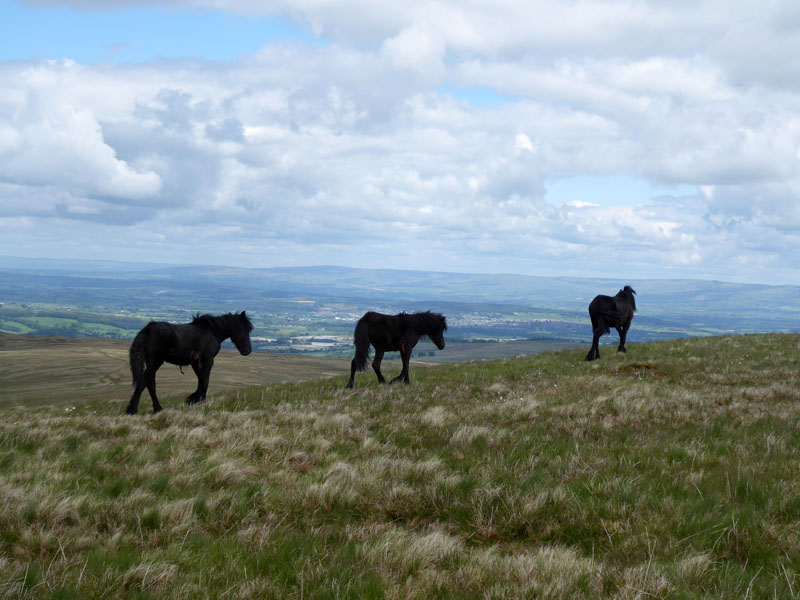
(424, 135)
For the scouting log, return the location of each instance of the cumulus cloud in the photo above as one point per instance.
(418, 49)
(368, 150)
(47, 141)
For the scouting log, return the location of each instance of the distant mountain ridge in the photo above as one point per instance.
(416, 284)
(678, 304)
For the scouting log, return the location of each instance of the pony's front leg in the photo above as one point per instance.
(623, 333)
(405, 355)
(376, 365)
(203, 371)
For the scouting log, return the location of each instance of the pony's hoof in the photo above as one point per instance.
(130, 411)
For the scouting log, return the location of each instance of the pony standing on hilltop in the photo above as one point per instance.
(195, 343)
(616, 312)
(393, 333)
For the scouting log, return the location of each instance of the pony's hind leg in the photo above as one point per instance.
(150, 377)
(148, 381)
(594, 351)
(376, 365)
(352, 374)
(156, 405)
(133, 405)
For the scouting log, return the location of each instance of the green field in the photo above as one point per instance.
(669, 472)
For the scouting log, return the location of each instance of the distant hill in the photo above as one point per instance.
(522, 307)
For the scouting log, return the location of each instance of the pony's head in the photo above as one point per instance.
(240, 333)
(628, 292)
(438, 325)
(438, 340)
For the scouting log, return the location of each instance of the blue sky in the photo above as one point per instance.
(613, 190)
(136, 33)
(539, 137)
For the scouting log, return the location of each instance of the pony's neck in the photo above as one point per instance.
(427, 327)
(225, 332)
(429, 330)
(221, 328)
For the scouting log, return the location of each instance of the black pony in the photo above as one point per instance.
(616, 312)
(392, 333)
(195, 343)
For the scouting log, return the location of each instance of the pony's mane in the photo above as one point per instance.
(224, 325)
(426, 322)
(628, 292)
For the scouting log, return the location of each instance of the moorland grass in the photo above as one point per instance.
(53, 370)
(670, 472)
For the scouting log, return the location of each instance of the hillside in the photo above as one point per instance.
(80, 370)
(670, 472)
(37, 370)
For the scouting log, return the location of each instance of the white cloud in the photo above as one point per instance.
(350, 151)
(417, 49)
(45, 140)
(523, 142)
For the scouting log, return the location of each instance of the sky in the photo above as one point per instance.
(607, 138)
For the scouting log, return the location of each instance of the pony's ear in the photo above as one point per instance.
(243, 315)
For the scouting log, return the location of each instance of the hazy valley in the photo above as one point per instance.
(313, 310)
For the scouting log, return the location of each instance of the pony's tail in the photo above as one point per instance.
(136, 354)
(361, 342)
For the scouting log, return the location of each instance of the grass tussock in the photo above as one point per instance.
(667, 473)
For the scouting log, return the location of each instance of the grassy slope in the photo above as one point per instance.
(671, 472)
(55, 370)
(38, 370)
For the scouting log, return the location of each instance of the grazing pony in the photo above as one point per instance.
(392, 333)
(195, 343)
(616, 312)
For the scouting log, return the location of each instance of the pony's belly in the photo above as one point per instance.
(183, 359)
(179, 363)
